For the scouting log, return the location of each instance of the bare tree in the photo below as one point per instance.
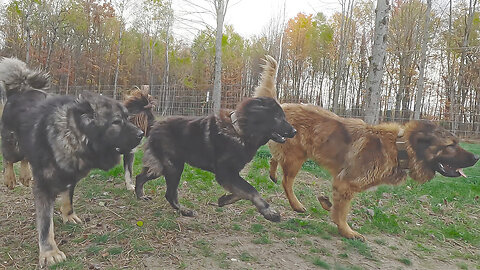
(463, 49)
(122, 6)
(375, 70)
(221, 9)
(421, 70)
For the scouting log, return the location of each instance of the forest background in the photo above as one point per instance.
(114, 46)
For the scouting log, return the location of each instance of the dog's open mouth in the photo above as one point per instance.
(278, 138)
(450, 171)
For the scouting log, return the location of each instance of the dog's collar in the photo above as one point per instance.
(235, 125)
(402, 155)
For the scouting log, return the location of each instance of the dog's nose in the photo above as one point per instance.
(140, 134)
(476, 157)
(294, 131)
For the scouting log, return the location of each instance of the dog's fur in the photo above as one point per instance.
(62, 138)
(221, 144)
(360, 156)
(11, 69)
(140, 106)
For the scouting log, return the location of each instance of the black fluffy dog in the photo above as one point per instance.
(221, 144)
(63, 138)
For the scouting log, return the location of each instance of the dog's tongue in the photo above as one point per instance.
(460, 171)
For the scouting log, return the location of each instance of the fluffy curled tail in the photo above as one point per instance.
(267, 88)
(16, 77)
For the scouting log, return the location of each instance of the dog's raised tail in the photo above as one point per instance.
(266, 87)
(15, 77)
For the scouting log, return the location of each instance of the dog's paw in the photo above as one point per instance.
(51, 257)
(273, 178)
(130, 187)
(325, 202)
(188, 212)
(10, 184)
(270, 214)
(10, 181)
(351, 234)
(300, 209)
(72, 218)
(25, 180)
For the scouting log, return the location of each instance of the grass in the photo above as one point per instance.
(111, 237)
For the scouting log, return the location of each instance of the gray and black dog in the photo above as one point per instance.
(222, 144)
(63, 138)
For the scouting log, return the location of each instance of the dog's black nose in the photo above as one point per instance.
(294, 131)
(140, 134)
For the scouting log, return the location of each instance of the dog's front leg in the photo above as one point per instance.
(172, 178)
(66, 207)
(49, 252)
(342, 196)
(128, 167)
(241, 189)
(25, 173)
(9, 175)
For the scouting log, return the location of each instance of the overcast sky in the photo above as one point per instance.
(249, 17)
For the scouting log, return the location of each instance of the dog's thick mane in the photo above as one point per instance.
(15, 77)
(267, 87)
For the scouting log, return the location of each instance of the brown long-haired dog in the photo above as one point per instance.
(360, 156)
(140, 106)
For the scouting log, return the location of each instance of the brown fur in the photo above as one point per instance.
(140, 105)
(359, 156)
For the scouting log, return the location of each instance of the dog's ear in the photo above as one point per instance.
(420, 141)
(83, 111)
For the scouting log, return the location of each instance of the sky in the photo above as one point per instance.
(250, 17)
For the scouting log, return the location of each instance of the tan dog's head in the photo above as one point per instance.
(434, 149)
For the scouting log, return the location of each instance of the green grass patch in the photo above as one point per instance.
(94, 249)
(405, 261)
(204, 247)
(262, 240)
(361, 247)
(320, 263)
(246, 257)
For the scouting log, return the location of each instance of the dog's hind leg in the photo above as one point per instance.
(128, 167)
(9, 175)
(140, 180)
(49, 252)
(25, 173)
(228, 199)
(273, 169)
(66, 207)
(342, 196)
(241, 189)
(172, 177)
(290, 170)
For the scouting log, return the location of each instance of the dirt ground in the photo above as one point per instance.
(214, 239)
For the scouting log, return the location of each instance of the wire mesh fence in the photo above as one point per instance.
(181, 100)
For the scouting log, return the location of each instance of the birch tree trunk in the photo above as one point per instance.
(221, 8)
(340, 62)
(117, 66)
(421, 70)
(465, 42)
(375, 70)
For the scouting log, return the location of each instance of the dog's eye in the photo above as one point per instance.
(117, 122)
